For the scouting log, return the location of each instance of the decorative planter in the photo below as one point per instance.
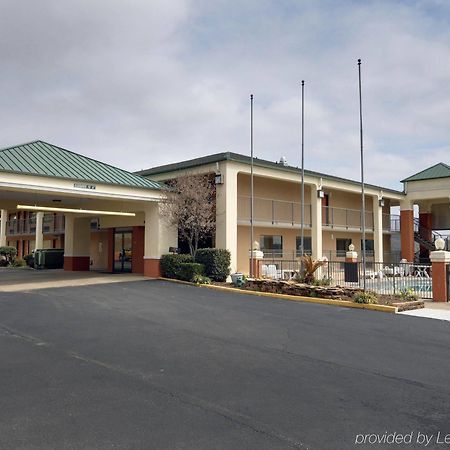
(237, 279)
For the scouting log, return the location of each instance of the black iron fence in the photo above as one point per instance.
(388, 279)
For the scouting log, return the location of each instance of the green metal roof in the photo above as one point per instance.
(229, 156)
(43, 159)
(440, 170)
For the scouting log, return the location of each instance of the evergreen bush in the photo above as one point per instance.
(216, 262)
(170, 264)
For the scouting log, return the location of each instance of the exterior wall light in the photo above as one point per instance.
(381, 202)
(320, 193)
(218, 178)
(439, 243)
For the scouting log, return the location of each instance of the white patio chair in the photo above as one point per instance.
(264, 270)
(272, 271)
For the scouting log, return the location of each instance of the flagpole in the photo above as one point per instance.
(302, 206)
(363, 200)
(251, 185)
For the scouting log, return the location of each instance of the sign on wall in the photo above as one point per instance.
(84, 186)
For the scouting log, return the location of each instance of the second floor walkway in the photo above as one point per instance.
(269, 212)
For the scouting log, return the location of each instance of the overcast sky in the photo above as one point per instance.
(139, 83)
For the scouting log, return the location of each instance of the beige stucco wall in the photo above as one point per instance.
(349, 200)
(99, 250)
(289, 240)
(428, 190)
(277, 194)
(271, 188)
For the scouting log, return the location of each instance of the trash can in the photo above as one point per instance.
(448, 282)
(49, 258)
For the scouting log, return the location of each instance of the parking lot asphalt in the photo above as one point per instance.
(157, 365)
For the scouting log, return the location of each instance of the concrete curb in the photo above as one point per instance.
(293, 298)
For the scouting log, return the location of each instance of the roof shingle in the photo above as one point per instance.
(440, 170)
(41, 158)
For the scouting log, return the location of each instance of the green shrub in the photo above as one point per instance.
(8, 252)
(322, 281)
(365, 297)
(170, 264)
(200, 279)
(18, 263)
(216, 262)
(187, 271)
(407, 295)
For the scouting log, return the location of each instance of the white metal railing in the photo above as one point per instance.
(271, 211)
(333, 217)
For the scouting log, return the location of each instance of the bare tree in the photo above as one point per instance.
(189, 204)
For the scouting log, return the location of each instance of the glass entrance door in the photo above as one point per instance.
(122, 251)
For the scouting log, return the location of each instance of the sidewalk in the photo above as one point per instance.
(24, 279)
(432, 310)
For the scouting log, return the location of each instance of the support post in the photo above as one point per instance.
(407, 231)
(226, 213)
(256, 257)
(158, 237)
(440, 259)
(377, 230)
(77, 239)
(3, 222)
(316, 223)
(351, 265)
(39, 230)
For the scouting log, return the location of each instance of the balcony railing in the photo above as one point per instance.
(275, 212)
(345, 218)
(52, 224)
(280, 212)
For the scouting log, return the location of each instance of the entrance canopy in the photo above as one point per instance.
(42, 174)
(430, 189)
(41, 183)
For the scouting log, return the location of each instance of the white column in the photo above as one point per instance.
(377, 230)
(226, 214)
(158, 236)
(39, 233)
(316, 224)
(3, 221)
(68, 234)
(77, 236)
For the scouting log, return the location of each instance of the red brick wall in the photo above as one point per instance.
(137, 260)
(407, 234)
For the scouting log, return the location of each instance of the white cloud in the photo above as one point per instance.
(143, 83)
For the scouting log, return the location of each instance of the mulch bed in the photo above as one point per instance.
(329, 292)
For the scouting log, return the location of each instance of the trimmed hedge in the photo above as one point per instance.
(216, 262)
(187, 271)
(170, 264)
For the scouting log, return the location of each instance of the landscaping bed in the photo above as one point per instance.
(329, 292)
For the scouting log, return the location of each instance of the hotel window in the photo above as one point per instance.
(272, 246)
(306, 243)
(370, 248)
(342, 247)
